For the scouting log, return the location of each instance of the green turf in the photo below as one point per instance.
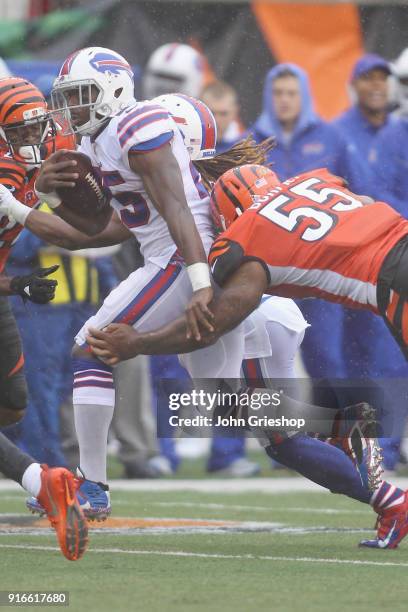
(196, 468)
(155, 582)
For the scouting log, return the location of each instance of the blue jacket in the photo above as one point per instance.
(358, 131)
(369, 350)
(391, 165)
(314, 143)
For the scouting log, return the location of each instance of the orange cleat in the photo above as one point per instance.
(58, 497)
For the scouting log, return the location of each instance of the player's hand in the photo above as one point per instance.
(56, 173)
(198, 314)
(117, 342)
(35, 287)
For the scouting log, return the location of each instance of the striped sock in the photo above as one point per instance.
(386, 496)
(93, 383)
(94, 402)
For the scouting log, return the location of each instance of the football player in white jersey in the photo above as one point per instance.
(158, 195)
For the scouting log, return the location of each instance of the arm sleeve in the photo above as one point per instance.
(224, 258)
(12, 175)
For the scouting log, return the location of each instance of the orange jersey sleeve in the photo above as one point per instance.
(12, 174)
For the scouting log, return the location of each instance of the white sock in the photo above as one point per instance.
(31, 480)
(92, 424)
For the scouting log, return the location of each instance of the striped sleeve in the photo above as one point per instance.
(144, 128)
(224, 258)
(12, 174)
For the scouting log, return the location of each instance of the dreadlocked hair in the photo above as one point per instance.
(246, 151)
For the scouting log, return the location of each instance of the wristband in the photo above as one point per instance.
(18, 211)
(199, 274)
(52, 199)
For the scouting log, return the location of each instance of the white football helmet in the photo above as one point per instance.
(195, 121)
(400, 85)
(174, 68)
(95, 78)
(4, 71)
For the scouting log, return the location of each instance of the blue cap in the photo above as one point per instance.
(368, 62)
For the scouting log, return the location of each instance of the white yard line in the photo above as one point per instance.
(252, 508)
(238, 485)
(182, 553)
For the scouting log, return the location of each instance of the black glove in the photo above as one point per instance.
(35, 287)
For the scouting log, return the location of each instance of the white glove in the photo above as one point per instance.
(11, 207)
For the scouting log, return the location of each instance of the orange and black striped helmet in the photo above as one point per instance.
(21, 105)
(233, 191)
(20, 100)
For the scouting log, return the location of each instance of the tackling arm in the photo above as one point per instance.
(85, 225)
(239, 297)
(55, 230)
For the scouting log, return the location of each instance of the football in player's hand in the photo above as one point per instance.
(87, 197)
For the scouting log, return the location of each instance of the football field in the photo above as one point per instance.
(240, 545)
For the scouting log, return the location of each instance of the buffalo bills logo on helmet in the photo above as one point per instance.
(104, 62)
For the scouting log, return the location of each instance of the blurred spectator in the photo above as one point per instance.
(222, 100)
(400, 73)
(361, 123)
(174, 68)
(304, 142)
(374, 353)
(391, 160)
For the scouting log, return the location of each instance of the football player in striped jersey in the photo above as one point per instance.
(27, 131)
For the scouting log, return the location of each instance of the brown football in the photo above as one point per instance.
(88, 196)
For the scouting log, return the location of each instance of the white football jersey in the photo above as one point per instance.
(141, 127)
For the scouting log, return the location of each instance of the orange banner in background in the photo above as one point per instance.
(324, 40)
